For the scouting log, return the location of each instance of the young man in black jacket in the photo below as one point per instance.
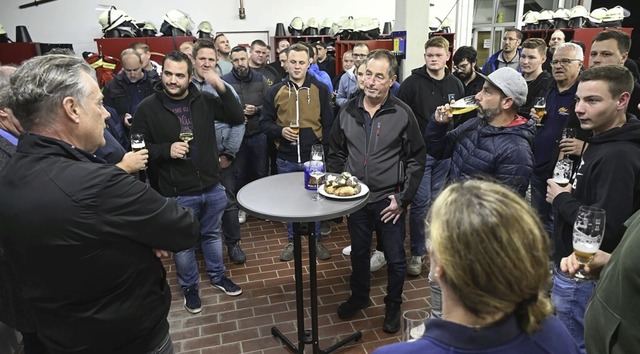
(80, 233)
(193, 179)
(608, 177)
(539, 82)
(428, 87)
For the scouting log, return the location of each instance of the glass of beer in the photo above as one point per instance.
(588, 231)
(137, 143)
(464, 105)
(295, 126)
(562, 172)
(186, 135)
(540, 106)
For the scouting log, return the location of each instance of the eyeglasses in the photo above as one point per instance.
(564, 62)
(461, 66)
(362, 56)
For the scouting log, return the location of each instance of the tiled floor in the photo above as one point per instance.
(243, 324)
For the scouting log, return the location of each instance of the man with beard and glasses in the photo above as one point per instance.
(251, 161)
(190, 172)
(465, 61)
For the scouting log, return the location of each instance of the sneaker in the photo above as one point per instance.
(391, 322)
(377, 260)
(325, 228)
(415, 265)
(348, 309)
(321, 251)
(192, 301)
(242, 216)
(225, 284)
(347, 250)
(287, 253)
(236, 254)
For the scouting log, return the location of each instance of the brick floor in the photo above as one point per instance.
(242, 324)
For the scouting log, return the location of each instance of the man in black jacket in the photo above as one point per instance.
(608, 178)
(80, 233)
(194, 179)
(129, 87)
(376, 138)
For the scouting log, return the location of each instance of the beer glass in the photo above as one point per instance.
(317, 167)
(413, 323)
(137, 143)
(186, 135)
(562, 172)
(568, 133)
(295, 126)
(540, 106)
(464, 105)
(588, 231)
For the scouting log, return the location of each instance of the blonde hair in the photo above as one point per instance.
(437, 41)
(494, 251)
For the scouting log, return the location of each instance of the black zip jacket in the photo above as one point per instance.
(536, 88)
(390, 160)
(608, 178)
(161, 128)
(79, 234)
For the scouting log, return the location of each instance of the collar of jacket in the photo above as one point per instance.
(162, 96)
(358, 102)
(51, 146)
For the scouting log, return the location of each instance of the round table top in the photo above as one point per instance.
(282, 197)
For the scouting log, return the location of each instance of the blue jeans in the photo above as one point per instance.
(252, 160)
(538, 200)
(570, 298)
(436, 296)
(230, 222)
(208, 208)
(435, 174)
(362, 224)
(285, 166)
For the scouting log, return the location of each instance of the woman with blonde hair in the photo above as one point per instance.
(490, 254)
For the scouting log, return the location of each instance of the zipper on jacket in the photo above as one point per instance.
(375, 141)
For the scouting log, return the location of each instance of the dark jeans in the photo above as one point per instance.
(362, 224)
(164, 347)
(538, 200)
(32, 344)
(285, 166)
(230, 222)
(252, 161)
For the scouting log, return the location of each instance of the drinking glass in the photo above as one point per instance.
(539, 105)
(413, 322)
(568, 133)
(464, 105)
(588, 231)
(137, 143)
(186, 135)
(317, 167)
(562, 172)
(295, 126)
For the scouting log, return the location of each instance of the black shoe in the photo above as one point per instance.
(348, 309)
(391, 322)
(236, 254)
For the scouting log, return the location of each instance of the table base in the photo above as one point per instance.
(308, 336)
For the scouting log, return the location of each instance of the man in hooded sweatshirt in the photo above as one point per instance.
(608, 177)
(427, 87)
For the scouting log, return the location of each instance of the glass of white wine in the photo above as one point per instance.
(186, 135)
(588, 231)
(137, 143)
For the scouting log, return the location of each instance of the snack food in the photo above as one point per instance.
(344, 185)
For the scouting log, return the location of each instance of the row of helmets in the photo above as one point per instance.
(118, 24)
(577, 17)
(361, 28)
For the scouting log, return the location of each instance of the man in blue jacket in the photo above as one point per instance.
(509, 55)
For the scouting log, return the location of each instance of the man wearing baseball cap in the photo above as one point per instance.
(496, 144)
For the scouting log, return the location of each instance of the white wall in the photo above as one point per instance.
(76, 21)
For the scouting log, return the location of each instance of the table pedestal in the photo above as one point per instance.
(308, 336)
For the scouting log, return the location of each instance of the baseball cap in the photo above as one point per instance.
(510, 82)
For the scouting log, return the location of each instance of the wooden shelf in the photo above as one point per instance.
(343, 46)
(159, 46)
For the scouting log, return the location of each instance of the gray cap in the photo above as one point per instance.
(510, 82)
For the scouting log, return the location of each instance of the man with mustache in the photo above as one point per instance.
(194, 180)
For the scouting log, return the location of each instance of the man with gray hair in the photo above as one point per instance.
(83, 236)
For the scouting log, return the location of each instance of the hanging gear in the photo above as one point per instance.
(176, 23)
(296, 26)
(578, 17)
(545, 20)
(205, 30)
(561, 18)
(530, 20)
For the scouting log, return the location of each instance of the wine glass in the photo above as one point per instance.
(540, 106)
(186, 135)
(137, 143)
(317, 167)
(295, 126)
(588, 231)
(562, 172)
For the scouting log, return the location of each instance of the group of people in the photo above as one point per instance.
(69, 211)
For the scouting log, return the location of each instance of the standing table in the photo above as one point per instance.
(283, 197)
